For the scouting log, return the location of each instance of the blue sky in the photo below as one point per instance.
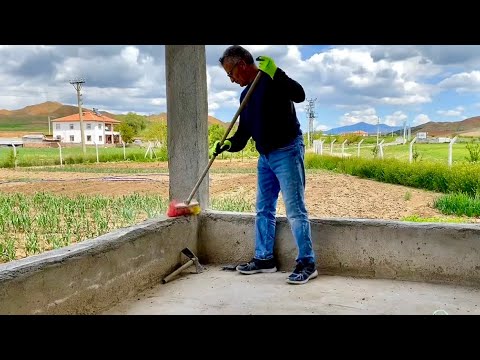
(351, 83)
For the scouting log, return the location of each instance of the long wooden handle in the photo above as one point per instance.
(235, 117)
(179, 270)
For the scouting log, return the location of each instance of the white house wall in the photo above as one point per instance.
(65, 132)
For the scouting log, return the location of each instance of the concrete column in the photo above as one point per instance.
(187, 121)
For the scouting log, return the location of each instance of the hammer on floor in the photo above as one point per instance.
(193, 260)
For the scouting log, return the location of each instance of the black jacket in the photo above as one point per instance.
(269, 117)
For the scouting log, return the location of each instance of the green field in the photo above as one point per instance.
(426, 152)
(26, 124)
(74, 155)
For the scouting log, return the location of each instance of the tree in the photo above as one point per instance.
(137, 122)
(131, 125)
(215, 132)
(126, 131)
(157, 131)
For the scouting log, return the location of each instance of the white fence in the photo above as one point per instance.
(318, 148)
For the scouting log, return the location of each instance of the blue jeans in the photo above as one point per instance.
(282, 169)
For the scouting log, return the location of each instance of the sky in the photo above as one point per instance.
(347, 84)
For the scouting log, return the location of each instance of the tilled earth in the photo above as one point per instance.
(327, 194)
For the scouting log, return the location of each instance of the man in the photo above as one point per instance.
(270, 119)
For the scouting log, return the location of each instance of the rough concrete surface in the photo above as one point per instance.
(218, 292)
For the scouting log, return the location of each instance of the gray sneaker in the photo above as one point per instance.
(258, 266)
(302, 274)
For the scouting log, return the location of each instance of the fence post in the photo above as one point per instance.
(358, 150)
(450, 149)
(14, 156)
(124, 155)
(318, 146)
(60, 150)
(410, 156)
(343, 147)
(380, 147)
(96, 150)
(331, 146)
(150, 150)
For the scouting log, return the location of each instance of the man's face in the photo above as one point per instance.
(235, 70)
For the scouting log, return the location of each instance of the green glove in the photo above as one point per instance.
(216, 149)
(267, 65)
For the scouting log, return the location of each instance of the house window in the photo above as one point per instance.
(89, 126)
(57, 126)
(72, 138)
(71, 126)
(89, 137)
(100, 138)
(100, 126)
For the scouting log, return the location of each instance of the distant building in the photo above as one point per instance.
(358, 132)
(33, 138)
(421, 135)
(98, 129)
(38, 141)
(440, 140)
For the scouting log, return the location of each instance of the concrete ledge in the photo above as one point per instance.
(430, 252)
(93, 275)
(96, 274)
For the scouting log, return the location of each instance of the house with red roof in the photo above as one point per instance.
(98, 128)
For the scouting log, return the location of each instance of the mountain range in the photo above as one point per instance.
(467, 127)
(363, 126)
(34, 118)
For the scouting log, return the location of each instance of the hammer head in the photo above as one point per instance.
(188, 253)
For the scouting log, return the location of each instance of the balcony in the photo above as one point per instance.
(365, 267)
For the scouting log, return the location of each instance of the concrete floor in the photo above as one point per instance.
(216, 291)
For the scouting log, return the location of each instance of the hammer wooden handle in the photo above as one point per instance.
(176, 272)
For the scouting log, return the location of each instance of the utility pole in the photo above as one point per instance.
(310, 110)
(77, 84)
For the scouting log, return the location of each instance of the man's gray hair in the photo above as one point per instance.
(237, 53)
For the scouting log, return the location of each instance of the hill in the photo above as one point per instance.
(34, 118)
(467, 127)
(162, 117)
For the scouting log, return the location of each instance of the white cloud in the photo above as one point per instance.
(317, 126)
(444, 55)
(420, 119)
(406, 100)
(462, 82)
(367, 115)
(130, 55)
(458, 111)
(352, 83)
(160, 101)
(395, 119)
(359, 80)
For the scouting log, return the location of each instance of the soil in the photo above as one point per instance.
(328, 195)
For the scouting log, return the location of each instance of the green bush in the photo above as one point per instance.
(460, 178)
